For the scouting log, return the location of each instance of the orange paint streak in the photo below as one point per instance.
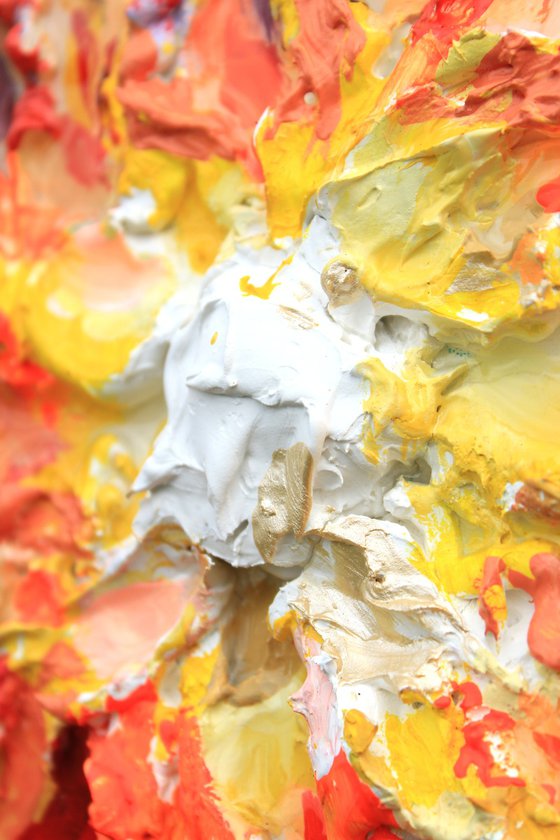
(528, 263)
(26, 230)
(490, 604)
(327, 44)
(476, 749)
(543, 637)
(515, 83)
(548, 196)
(233, 75)
(39, 599)
(85, 156)
(27, 61)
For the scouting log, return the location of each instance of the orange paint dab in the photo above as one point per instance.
(351, 809)
(549, 196)
(492, 605)
(543, 637)
(38, 599)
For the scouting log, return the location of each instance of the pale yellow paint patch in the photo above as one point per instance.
(258, 758)
(58, 308)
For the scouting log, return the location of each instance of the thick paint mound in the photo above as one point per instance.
(279, 415)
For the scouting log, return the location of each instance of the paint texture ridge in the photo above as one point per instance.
(280, 414)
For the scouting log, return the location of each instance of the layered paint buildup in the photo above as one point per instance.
(280, 413)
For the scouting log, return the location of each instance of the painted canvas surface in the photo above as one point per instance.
(280, 419)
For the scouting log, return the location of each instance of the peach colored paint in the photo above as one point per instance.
(124, 626)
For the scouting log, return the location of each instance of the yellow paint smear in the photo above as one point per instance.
(423, 749)
(312, 162)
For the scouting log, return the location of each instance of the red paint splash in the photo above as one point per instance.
(476, 749)
(194, 797)
(515, 82)
(550, 744)
(119, 774)
(84, 153)
(470, 693)
(34, 111)
(87, 57)
(39, 599)
(548, 196)
(313, 817)
(351, 809)
(45, 522)
(26, 61)
(487, 722)
(235, 73)
(327, 45)
(543, 637)
(145, 693)
(125, 803)
(32, 521)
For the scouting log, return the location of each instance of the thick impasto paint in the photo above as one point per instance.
(280, 416)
